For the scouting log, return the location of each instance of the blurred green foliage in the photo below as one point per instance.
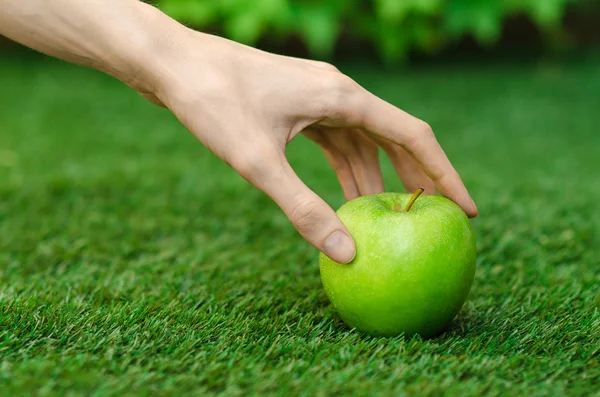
(394, 27)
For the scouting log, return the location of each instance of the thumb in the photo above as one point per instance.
(310, 215)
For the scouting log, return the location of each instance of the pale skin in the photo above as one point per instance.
(246, 105)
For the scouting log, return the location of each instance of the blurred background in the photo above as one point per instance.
(396, 30)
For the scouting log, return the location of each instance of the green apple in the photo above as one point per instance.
(414, 264)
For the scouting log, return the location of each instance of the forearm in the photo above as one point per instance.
(123, 38)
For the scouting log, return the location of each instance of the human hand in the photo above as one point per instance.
(246, 105)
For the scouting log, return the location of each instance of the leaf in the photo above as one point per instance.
(197, 12)
(429, 7)
(392, 44)
(244, 28)
(482, 18)
(487, 28)
(392, 11)
(424, 35)
(548, 13)
(319, 27)
(273, 10)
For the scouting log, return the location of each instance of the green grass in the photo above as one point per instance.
(132, 261)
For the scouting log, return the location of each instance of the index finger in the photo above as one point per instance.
(386, 121)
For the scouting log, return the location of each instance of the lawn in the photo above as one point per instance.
(132, 261)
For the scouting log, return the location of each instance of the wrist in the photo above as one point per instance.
(151, 42)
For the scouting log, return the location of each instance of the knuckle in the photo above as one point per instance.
(425, 129)
(422, 133)
(344, 85)
(341, 93)
(305, 215)
(327, 66)
(252, 164)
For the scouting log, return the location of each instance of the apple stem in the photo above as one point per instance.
(413, 199)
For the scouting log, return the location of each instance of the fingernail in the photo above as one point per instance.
(474, 206)
(339, 247)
